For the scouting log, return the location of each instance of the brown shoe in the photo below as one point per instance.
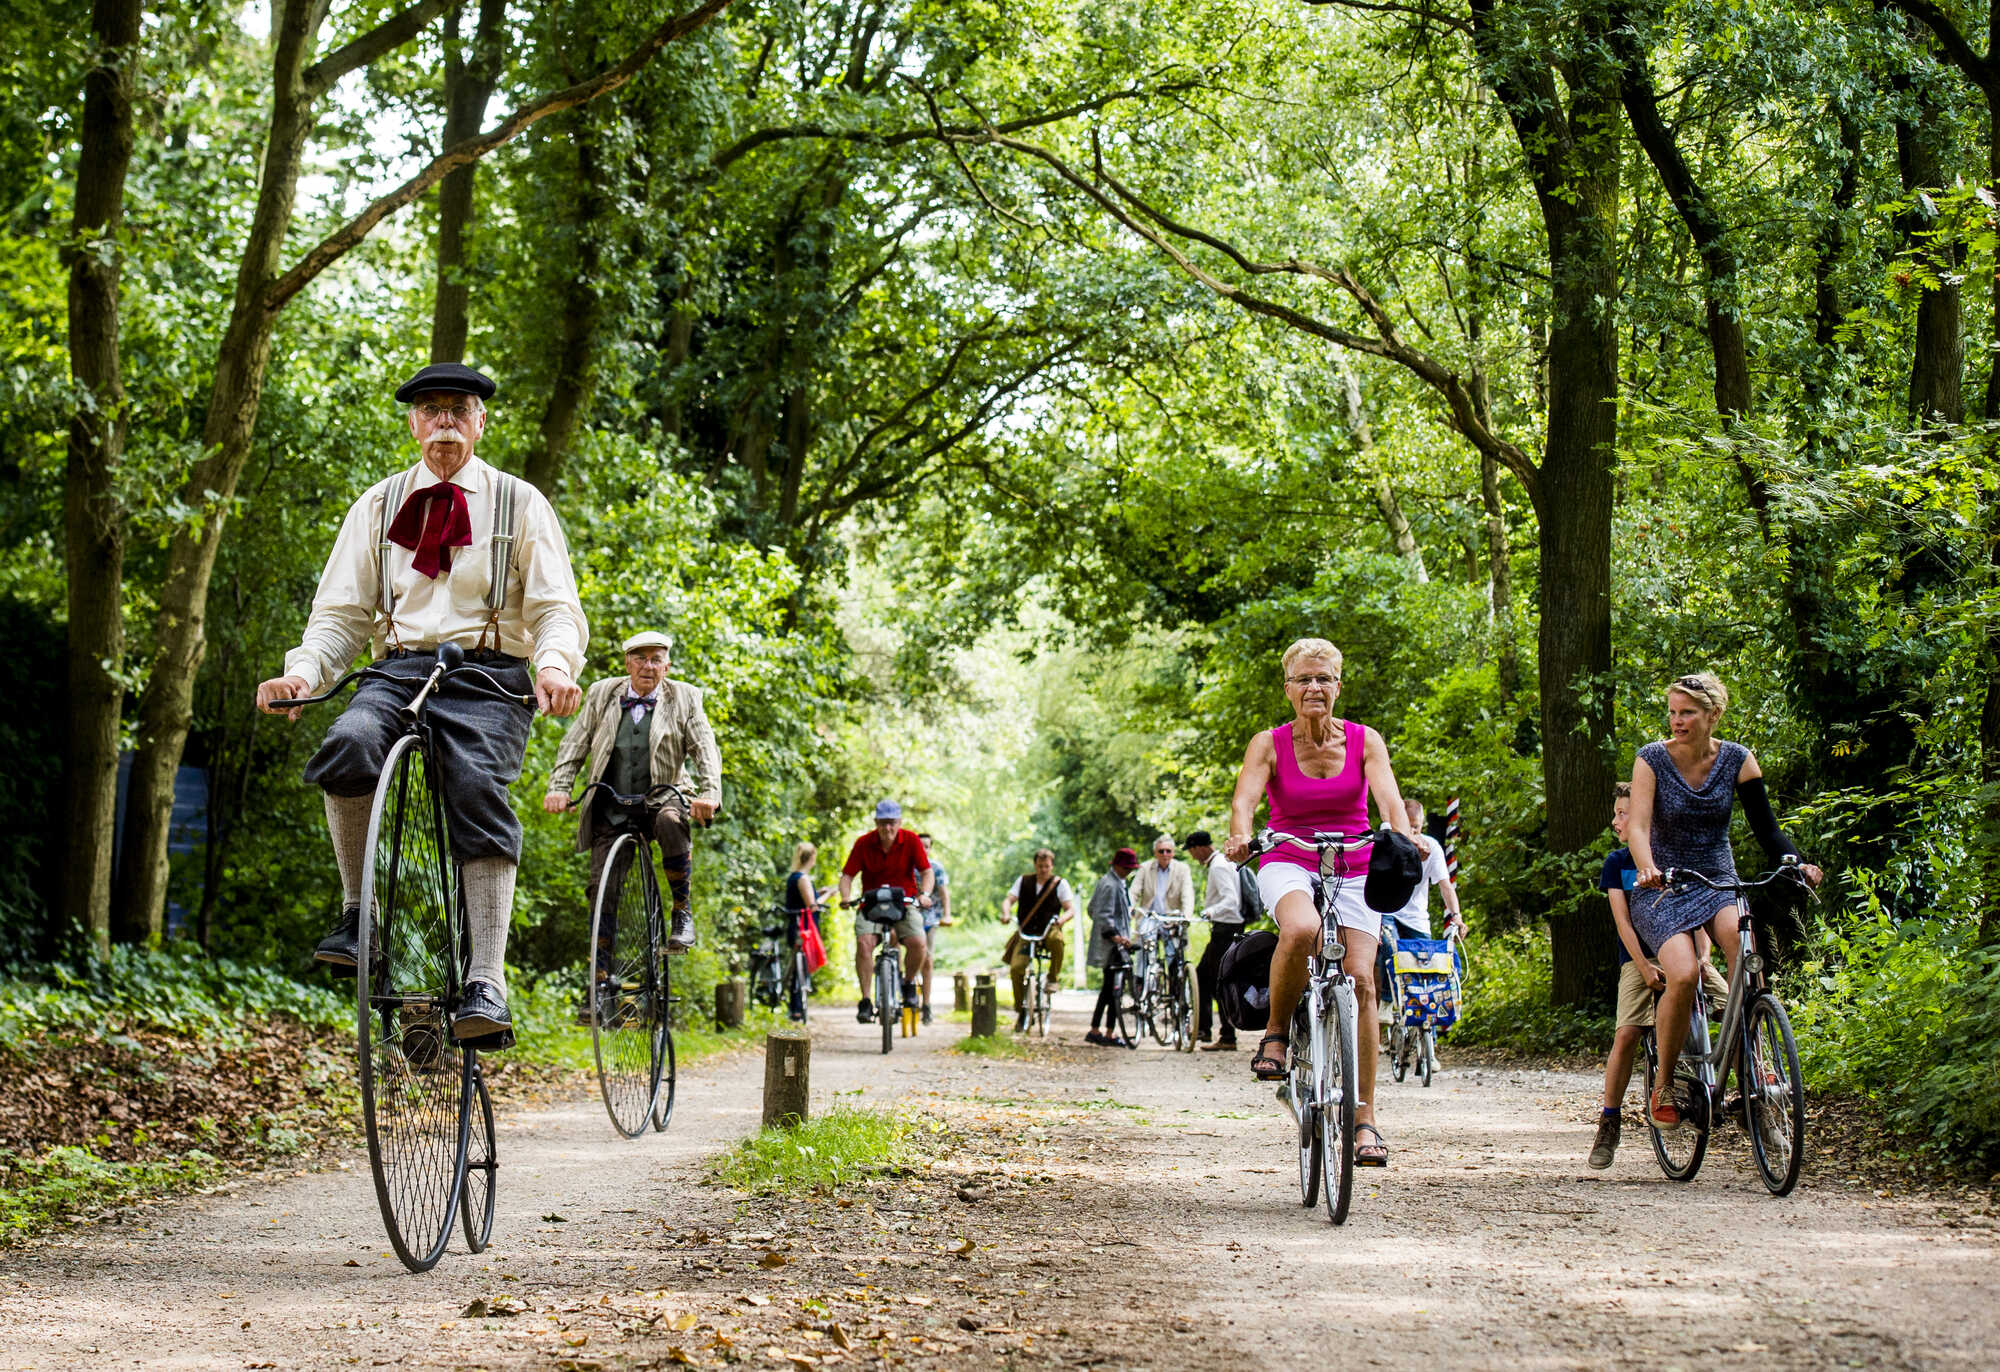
(1220, 1046)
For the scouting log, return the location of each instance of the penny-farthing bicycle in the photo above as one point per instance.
(424, 1105)
(631, 988)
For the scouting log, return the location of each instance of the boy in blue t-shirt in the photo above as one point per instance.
(1639, 977)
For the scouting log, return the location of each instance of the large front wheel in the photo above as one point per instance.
(628, 1022)
(407, 980)
(1774, 1095)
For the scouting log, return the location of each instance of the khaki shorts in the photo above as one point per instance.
(1635, 998)
(910, 926)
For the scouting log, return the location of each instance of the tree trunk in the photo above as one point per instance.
(468, 87)
(93, 524)
(1937, 363)
(576, 325)
(1583, 957)
(1385, 494)
(1499, 577)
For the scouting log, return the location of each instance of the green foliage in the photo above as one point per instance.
(1001, 1045)
(841, 1147)
(65, 1182)
(179, 991)
(1506, 1005)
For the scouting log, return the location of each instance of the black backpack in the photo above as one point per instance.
(1243, 982)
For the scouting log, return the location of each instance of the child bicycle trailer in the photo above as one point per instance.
(1426, 983)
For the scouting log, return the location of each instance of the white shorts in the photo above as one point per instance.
(1278, 879)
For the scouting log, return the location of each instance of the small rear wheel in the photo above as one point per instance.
(1125, 1012)
(482, 1160)
(663, 1102)
(1399, 1046)
(1774, 1095)
(1426, 1052)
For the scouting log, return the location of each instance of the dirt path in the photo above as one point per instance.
(1093, 1207)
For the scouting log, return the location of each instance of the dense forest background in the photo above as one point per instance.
(984, 391)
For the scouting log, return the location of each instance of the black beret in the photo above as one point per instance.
(446, 376)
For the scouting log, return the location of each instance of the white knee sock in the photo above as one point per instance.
(347, 824)
(489, 905)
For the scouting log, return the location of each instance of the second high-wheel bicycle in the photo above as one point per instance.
(630, 991)
(1321, 1084)
(1755, 1040)
(425, 1108)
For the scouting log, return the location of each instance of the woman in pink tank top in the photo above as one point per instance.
(1318, 772)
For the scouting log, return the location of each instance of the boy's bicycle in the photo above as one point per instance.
(1039, 999)
(424, 1103)
(1755, 1039)
(630, 994)
(1320, 1085)
(779, 976)
(885, 907)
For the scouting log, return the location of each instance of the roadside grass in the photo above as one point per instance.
(1001, 1045)
(551, 1042)
(1506, 1003)
(70, 1184)
(847, 1144)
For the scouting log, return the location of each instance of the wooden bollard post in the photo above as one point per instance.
(985, 1007)
(787, 1077)
(961, 991)
(729, 1001)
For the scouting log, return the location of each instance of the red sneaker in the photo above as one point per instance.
(1663, 1113)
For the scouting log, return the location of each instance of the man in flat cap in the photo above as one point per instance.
(642, 730)
(448, 551)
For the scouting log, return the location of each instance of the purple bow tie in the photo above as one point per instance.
(643, 702)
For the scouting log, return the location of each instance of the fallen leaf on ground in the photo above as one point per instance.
(918, 1300)
(553, 1218)
(964, 1250)
(474, 1309)
(684, 1322)
(350, 1263)
(840, 1337)
(754, 1300)
(576, 1340)
(773, 1259)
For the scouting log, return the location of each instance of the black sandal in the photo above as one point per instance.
(1374, 1154)
(1267, 1067)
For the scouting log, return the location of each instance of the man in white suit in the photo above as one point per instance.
(642, 730)
(1163, 886)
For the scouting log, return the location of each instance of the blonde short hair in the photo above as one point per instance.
(1704, 689)
(803, 855)
(1309, 647)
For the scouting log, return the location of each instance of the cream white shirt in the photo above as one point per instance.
(541, 618)
(1225, 903)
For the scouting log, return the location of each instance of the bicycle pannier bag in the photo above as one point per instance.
(1427, 980)
(1243, 982)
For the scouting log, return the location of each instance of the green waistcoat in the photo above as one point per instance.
(630, 770)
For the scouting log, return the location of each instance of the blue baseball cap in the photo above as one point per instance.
(888, 809)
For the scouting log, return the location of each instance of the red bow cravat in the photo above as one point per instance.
(431, 523)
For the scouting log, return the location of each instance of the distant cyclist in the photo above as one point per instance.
(1110, 936)
(889, 855)
(640, 730)
(800, 901)
(1682, 793)
(1040, 903)
(1319, 772)
(938, 915)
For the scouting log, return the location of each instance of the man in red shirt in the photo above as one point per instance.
(890, 856)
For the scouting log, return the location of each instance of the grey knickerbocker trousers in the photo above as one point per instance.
(480, 743)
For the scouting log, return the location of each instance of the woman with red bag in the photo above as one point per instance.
(800, 901)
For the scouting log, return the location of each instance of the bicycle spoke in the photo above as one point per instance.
(628, 1016)
(411, 1068)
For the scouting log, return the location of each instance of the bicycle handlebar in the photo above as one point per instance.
(451, 664)
(1788, 869)
(1321, 841)
(650, 796)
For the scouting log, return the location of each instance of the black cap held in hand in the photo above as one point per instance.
(446, 376)
(1394, 869)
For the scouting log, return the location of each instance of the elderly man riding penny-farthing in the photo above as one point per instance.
(450, 551)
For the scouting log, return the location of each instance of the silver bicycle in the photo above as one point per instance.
(1321, 1078)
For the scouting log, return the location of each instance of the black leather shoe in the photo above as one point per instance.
(927, 1012)
(342, 945)
(1020, 1021)
(680, 937)
(481, 1020)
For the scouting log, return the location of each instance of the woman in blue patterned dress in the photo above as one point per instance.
(1682, 792)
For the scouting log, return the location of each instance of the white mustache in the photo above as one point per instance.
(447, 436)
